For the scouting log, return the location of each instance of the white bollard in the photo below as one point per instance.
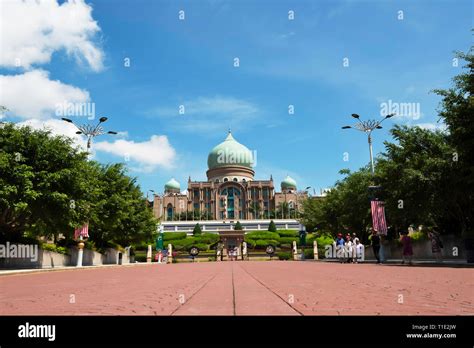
(170, 253)
(80, 252)
(148, 254)
(315, 249)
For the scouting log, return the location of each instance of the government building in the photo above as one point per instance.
(230, 194)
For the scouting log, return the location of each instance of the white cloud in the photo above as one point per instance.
(32, 31)
(34, 95)
(57, 127)
(432, 126)
(148, 154)
(207, 114)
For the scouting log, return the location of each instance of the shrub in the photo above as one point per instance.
(167, 236)
(197, 230)
(263, 243)
(289, 240)
(284, 255)
(272, 227)
(288, 233)
(200, 246)
(54, 248)
(310, 238)
(90, 245)
(324, 240)
(309, 253)
(262, 235)
(418, 236)
(285, 246)
(207, 238)
(250, 243)
(238, 226)
(183, 244)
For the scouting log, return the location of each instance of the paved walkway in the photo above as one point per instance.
(241, 288)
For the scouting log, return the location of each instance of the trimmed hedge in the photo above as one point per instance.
(262, 235)
(284, 255)
(263, 243)
(207, 238)
(289, 240)
(200, 246)
(167, 236)
(288, 233)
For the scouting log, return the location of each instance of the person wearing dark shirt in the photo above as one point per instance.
(375, 241)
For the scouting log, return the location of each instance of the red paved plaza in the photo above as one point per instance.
(242, 288)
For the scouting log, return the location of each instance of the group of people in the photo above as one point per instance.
(233, 253)
(349, 249)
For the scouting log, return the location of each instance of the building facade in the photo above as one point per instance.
(230, 192)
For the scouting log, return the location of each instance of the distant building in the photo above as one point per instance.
(230, 192)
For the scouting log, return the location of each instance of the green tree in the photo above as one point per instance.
(197, 230)
(120, 213)
(415, 172)
(43, 183)
(272, 226)
(456, 110)
(238, 226)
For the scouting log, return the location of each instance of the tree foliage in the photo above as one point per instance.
(48, 187)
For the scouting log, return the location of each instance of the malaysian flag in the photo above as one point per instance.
(82, 232)
(378, 217)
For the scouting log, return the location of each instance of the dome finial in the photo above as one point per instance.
(230, 131)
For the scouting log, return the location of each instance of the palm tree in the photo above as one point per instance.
(255, 209)
(283, 209)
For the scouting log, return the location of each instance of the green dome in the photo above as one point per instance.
(288, 183)
(172, 185)
(229, 152)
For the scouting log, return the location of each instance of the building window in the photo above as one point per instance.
(225, 179)
(217, 180)
(235, 179)
(243, 180)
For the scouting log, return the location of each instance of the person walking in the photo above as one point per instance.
(340, 247)
(436, 245)
(407, 253)
(375, 241)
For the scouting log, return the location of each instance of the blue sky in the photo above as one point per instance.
(80, 56)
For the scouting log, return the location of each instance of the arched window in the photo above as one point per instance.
(225, 179)
(217, 180)
(231, 193)
(169, 212)
(243, 180)
(235, 179)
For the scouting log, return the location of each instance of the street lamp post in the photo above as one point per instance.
(368, 127)
(90, 131)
